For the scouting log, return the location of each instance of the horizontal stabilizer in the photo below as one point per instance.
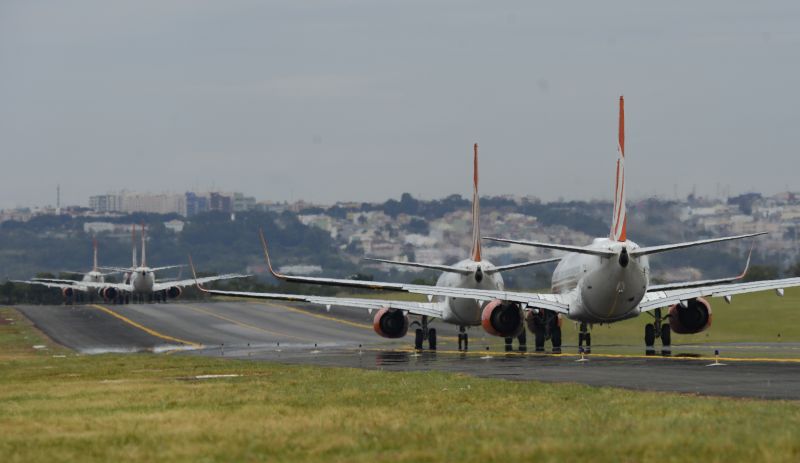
(672, 247)
(443, 268)
(557, 247)
(530, 263)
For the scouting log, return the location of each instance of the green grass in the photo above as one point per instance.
(144, 407)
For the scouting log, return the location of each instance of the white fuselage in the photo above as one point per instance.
(94, 277)
(467, 312)
(599, 289)
(142, 280)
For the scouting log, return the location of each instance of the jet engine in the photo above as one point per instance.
(693, 318)
(174, 292)
(68, 293)
(503, 318)
(109, 294)
(390, 323)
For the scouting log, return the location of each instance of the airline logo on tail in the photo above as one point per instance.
(476, 211)
(619, 220)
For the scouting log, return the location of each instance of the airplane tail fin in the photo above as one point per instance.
(476, 211)
(144, 255)
(94, 249)
(133, 247)
(619, 220)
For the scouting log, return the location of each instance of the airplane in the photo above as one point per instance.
(139, 281)
(391, 321)
(93, 276)
(605, 282)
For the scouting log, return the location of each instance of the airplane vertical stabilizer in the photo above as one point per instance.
(94, 248)
(133, 247)
(476, 211)
(619, 220)
(144, 256)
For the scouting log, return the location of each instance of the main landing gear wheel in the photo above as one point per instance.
(418, 338)
(425, 333)
(649, 338)
(523, 340)
(509, 344)
(666, 340)
(555, 337)
(584, 337)
(463, 339)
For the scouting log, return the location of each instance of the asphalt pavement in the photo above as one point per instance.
(298, 334)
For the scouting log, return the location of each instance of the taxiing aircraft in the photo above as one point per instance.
(139, 282)
(602, 283)
(93, 276)
(391, 320)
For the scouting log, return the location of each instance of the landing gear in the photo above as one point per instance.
(523, 340)
(421, 334)
(658, 329)
(545, 325)
(463, 339)
(585, 337)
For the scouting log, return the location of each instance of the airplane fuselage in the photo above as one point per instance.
(142, 280)
(94, 277)
(600, 289)
(462, 311)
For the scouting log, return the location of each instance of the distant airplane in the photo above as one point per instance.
(602, 283)
(93, 276)
(391, 320)
(139, 281)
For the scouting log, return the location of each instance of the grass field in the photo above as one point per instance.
(59, 406)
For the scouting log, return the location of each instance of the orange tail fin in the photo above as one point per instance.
(619, 221)
(476, 211)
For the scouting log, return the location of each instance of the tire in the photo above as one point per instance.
(649, 335)
(418, 339)
(666, 335)
(460, 341)
(555, 337)
(538, 338)
(523, 340)
(588, 339)
(432, 339)
(509, 344)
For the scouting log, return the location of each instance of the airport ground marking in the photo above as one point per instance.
(501, 354)
(147, 330)
(242, 324)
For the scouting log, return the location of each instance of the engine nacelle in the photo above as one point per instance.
(174, 292)
(503, 318)
(109, 294)
(390, 323)
(694, 318)
(68, 293)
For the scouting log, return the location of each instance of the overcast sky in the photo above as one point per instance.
(364, 100)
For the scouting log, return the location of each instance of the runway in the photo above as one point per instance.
(307, 335)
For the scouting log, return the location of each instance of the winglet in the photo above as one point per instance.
(476, 210)
(194, 275)
(266, 255)
(747, 265)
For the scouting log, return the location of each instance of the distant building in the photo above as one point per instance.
(106, 203)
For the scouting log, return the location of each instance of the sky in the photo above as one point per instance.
(365, 100)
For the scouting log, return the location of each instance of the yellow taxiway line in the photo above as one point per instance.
(602, 356)
(147, 330)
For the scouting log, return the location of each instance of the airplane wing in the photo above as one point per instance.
(166, 267)
(503, 268)
(659, 299)
(430, 309)
(76, 285)
(555, 302)
(701, 283)
(160, 286)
